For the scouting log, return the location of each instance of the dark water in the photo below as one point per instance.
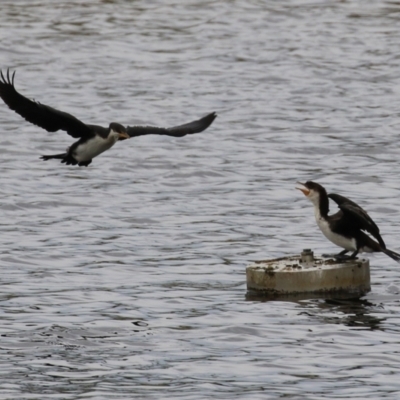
(126, 279)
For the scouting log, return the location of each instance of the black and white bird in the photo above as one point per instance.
(347, 227)
(93, 139)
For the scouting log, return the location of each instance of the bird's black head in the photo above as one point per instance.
(310, 185)
(120, 130)
(317, 195)
(312, 189)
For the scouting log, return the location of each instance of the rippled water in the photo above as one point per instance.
(126, 279)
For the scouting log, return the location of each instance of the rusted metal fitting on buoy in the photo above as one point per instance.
(307, 256)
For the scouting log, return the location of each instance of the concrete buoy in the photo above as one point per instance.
(310, 275)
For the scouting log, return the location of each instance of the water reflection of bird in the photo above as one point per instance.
(347, 227)
(93, 139)
(359, 313)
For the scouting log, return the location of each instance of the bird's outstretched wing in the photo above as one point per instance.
(39, 114)
(358, 216)
(177, 131)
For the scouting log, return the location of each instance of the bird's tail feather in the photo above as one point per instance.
(392, 254)
(59, 156)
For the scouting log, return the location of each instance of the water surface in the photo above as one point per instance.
(127, 278)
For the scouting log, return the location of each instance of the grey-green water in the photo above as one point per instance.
(126, 279)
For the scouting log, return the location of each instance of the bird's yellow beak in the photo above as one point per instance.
(304, 189)
(123, 136)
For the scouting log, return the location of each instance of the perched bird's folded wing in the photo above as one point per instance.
(359, 216)
(39, 114)
(177, 131)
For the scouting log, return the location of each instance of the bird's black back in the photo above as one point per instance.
(355, 217)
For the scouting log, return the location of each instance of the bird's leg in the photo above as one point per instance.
(342, 256)
(354, 255)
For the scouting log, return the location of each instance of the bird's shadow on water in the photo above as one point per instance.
(353, 312)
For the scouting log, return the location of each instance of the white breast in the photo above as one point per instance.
(93, 147)
(339, 240)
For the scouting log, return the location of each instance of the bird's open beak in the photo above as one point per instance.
(303, 189)
(123, 136)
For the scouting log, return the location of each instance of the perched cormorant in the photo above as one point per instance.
(93, 139)
(346, 227)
